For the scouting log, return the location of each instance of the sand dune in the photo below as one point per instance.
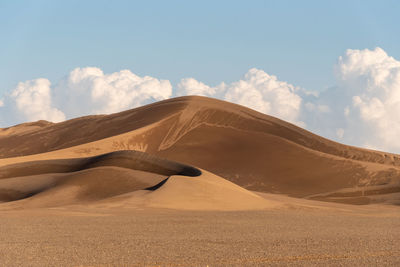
(51, 190)
(181, 115)
(205, 192)
(250, 149)
(135, 177)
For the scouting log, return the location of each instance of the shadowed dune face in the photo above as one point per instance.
(253, 150)
(54, 189)
(118, 179)
(67, 181)
(134, 160)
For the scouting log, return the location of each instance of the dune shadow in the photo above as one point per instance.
(92, 175)
(155, 187)
(129, 159)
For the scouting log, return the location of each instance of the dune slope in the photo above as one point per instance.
(250, 149)
(120, 177)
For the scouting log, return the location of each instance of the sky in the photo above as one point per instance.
(331, 67)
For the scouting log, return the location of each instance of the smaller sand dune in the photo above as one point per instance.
(205, 192)
(128, 178)
(50, 190)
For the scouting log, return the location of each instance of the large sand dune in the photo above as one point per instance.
(253, 150)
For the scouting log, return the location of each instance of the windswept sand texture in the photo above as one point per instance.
(193, 181)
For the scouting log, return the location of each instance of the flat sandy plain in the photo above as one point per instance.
(160, 237)
(193, 181)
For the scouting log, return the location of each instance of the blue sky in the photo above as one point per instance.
(332, 67)
(213, 41)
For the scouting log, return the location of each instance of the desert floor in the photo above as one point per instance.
(173, 184)
(324, 234)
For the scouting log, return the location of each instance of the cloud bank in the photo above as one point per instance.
(84, 91)
(362, 109)
(371, 79)
(90, 91)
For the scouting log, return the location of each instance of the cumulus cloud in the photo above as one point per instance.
(83, 91)
(90, 91)
(257, 90)
(365, 104)
(33, 101)
(378, 105)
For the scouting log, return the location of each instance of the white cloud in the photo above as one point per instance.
(33, 100)
(84, 91)
(372, 79)
(363, 108)
(90, 91)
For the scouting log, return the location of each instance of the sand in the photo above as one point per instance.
(152, 237)
(192, 181)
